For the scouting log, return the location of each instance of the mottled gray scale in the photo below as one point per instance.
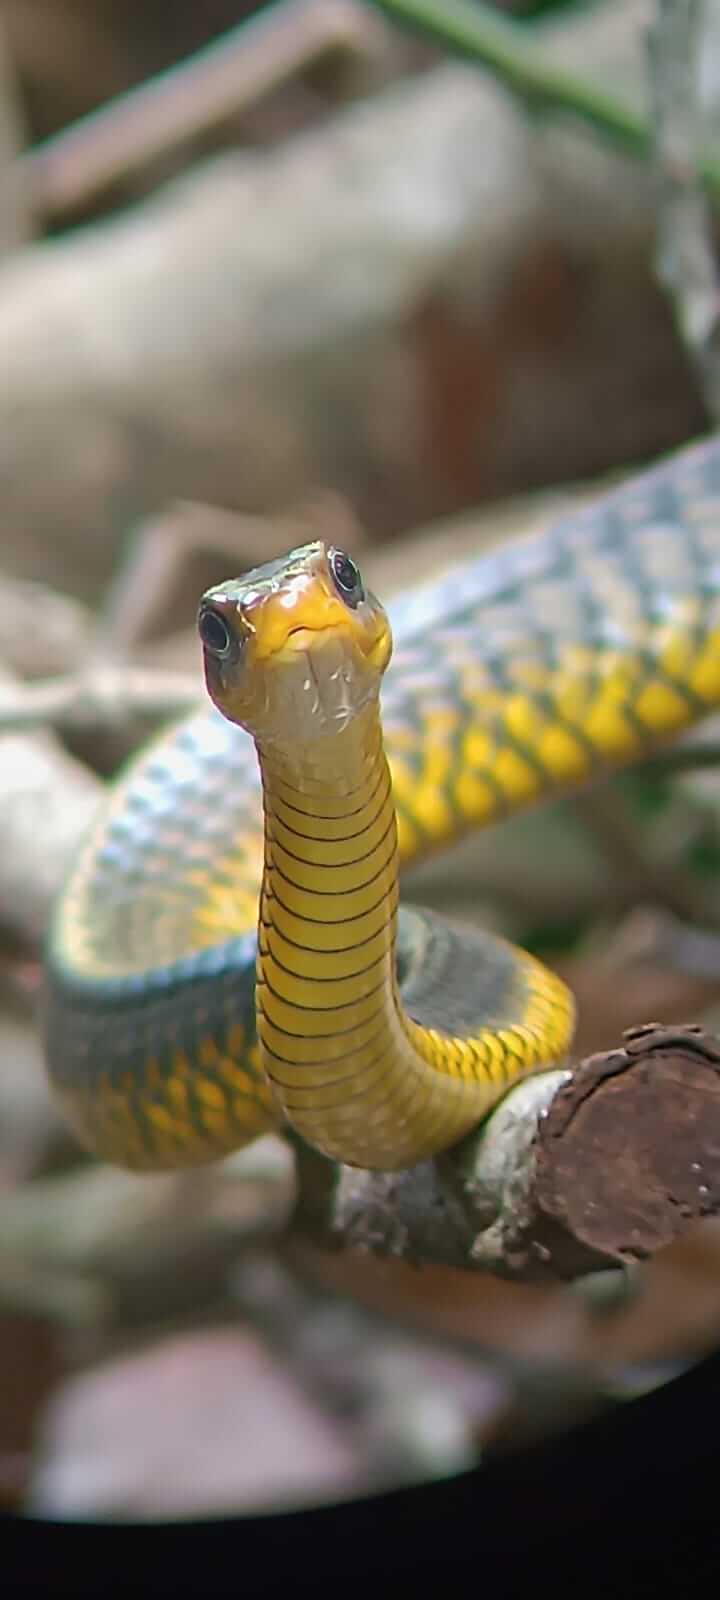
(434, 959)
(667, 563)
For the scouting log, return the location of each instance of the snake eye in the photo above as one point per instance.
(215, 633)
(346, 577)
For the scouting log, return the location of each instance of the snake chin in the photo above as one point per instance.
(314, 692)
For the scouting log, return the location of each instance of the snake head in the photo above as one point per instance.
(293, 650)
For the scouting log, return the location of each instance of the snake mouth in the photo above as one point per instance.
(301, 633)
(303, 639)
(335, 638)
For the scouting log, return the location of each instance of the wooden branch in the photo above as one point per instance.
(573, 1174)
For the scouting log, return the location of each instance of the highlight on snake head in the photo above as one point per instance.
(295, 648)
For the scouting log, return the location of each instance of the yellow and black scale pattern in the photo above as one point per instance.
(516, 676)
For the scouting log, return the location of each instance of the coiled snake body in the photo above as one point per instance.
(381, 1036)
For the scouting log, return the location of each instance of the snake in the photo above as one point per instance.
(229, 955)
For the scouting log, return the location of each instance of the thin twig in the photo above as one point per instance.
(160, 547)
(515, 53)
(226, 77)
(686, 261)
(95, 699)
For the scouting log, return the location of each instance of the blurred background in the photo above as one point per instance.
(443, 269)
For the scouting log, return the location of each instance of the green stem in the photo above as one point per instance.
(512, 51)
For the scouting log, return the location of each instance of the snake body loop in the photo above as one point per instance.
(381, 1036)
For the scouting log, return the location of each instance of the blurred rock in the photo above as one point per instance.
(426, 302)
(200, 1423)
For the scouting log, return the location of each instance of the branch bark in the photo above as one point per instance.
(573, 1174)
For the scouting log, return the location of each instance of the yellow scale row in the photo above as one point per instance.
(452, 782)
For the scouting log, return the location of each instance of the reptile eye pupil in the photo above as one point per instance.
(214, 632)
(346, 577)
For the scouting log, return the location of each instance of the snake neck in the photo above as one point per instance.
(350, 1069)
